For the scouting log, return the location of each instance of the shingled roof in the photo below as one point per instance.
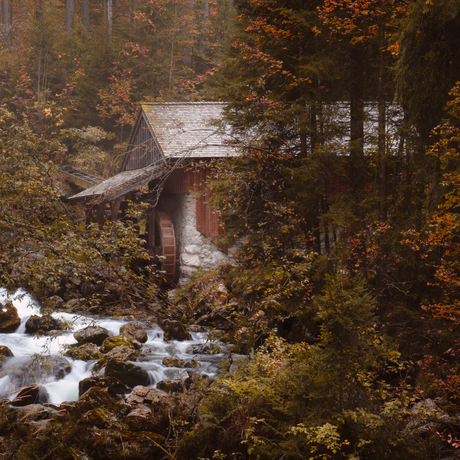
(189, 129)
(166, 131)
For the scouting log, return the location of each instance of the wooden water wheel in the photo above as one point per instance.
(162, 243)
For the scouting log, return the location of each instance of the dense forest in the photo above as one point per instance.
(341, 305)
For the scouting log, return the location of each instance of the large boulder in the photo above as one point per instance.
(26, 371)
(150, 408)
(85, 352)
(5, 352)
(134, 330)
(424, 416)
(123, 353)
(175, 330)
(31, 395)
(118, 341)
(114, 386)
(92, 334)
(74, 305)
(42, 325)
(127, 373)
(32, 413)
(9, 318)
(148, 396)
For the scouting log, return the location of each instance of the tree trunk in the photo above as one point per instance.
(133, 12)
(110, 17)
(313, 124)
(188, 49)
(5, 21)
(173, 37)
(39, 10)
(357, 119)
(204, 26)
(85, 15)
(69, 14)
(381, 171)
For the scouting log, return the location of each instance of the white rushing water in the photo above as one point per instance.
(25, 346)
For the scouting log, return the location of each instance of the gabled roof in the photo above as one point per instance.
(170, 131)
(189, 129)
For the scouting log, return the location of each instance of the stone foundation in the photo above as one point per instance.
(195, 250)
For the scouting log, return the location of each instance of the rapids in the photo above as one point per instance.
(26, 347)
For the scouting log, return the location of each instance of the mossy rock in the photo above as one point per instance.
(127, 373)
(25, 371)
(119, 340)
(139, 445)
(174, 385)
(5, 352)
(123, 353)
(42, 325)
(9, 317)
(101, 418)
(33, 412)
(74, 305)
(31, 395)
(52, 304)
(134, 330)
(218, 335)
(114, 386)
(173, 361)
(175, 330)
(85, 352)
(204, 349)
(96, 427)
(92, 334)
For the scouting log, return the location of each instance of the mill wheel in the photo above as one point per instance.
(164, 243)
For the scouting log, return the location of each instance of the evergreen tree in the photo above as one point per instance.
(428, 64)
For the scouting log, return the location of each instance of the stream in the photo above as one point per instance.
(41, 348)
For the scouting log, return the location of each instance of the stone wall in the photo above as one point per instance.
(195, 250)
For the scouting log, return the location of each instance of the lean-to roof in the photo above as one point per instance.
(122, 183)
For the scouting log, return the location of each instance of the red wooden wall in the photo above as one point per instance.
(188, 179)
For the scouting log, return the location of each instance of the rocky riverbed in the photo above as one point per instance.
(86, 387)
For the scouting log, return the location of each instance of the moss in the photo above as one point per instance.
(177, 362)
(9, 318)
(127, 445)
(170, 386)
(100, 418)
(5, 352)
(84, 352)
(204, 349)
(119, 340)
(96, 427)
(42, 325)
(127, 373)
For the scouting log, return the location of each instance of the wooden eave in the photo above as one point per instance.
(121, 184)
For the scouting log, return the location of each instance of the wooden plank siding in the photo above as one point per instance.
(180, 181)
(208, 221)
(188, 180)
(143, 149)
